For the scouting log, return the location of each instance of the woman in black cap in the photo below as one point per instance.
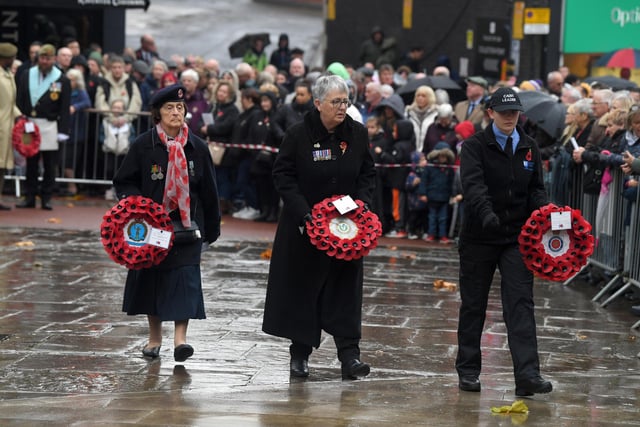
(173, 167)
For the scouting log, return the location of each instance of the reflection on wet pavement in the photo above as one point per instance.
(68, 356)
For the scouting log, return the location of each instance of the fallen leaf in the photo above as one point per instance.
(24, 244)
(266, 254)
(54, 220)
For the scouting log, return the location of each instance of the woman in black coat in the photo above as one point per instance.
(325, 155)
(171, 290)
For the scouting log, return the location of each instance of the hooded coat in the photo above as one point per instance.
(399, 153)
(437, 178)
(299, 272)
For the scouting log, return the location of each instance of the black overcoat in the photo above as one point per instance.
(172, 290)
(299, 273)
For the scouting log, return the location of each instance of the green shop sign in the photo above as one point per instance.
(595, 26)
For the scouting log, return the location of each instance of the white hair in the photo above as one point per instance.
(191, 73)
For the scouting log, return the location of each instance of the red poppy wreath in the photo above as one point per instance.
(27, 144)
(555, 255)
(349, 236)
(127, 228)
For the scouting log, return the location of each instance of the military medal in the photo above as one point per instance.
(320, 155)
(54, 96)
(156, 172)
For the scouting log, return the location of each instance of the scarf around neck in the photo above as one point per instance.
(176, 187)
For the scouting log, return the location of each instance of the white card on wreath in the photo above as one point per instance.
(29, 127)
(159, 237)
(560, 220)
(345, 204)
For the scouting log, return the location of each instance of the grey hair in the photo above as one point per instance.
(193, 74)
(572, 93)
(76, 75)
(583, 106)
(161, 63)
(326, 84)
(605, 94)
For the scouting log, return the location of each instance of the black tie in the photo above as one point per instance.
(508, 147)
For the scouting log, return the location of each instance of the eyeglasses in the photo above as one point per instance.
(336, 103)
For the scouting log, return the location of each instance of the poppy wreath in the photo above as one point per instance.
(27, 144)
(125, 229)
(349, 236)
(555, 255)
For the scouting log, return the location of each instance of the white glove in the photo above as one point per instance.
(62, 137)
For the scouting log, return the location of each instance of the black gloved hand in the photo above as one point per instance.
(303, 224)
(491, 222)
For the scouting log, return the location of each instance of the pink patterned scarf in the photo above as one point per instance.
(176, 188)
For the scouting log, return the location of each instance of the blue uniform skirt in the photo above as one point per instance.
(173, 294)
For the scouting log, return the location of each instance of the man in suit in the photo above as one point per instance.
(471, 109)
(44, 95)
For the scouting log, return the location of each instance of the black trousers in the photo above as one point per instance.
(348, 349)
(49, 162)
(478, 263)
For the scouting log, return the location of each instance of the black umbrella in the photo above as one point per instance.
(545, 111)
(434, 82)
(615, 83)
(238, 48)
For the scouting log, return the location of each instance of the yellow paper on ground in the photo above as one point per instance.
(517, 407)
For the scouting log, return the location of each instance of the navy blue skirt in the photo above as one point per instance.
(174, 294)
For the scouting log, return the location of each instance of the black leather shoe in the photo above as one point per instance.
(533, 385)
(46, 205)
(354, 368)
(182, 352)
(151, 352)
(27, 203)
(299, 368)
(469, 383)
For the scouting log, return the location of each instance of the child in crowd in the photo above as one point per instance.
(416, 209)
(116, 134)
(436, 188)
(377, 144)
(399, 153)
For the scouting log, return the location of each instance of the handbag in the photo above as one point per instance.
(183, 235)
(217, 152)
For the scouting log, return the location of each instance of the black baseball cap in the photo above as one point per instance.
(505, 99)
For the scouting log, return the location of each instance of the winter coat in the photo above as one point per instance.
(494, 182)
(264, 130)
(8, 113)
(78, 120)
(436, 181)
(290, 114)
(438, 133)
(120, 90)
(399, 153)
(134, 177)
(196, 105)
(298, 270)
(420, 128)
(224, 118)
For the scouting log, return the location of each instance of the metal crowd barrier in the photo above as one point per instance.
(83, 153)
(617, 247)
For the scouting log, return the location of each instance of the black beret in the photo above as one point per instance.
(173, 93)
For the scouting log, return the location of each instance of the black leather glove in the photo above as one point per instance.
(491, 222)
(303, 224)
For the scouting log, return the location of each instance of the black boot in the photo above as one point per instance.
(264, 214)
(28, 202)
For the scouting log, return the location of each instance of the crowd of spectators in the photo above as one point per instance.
(265, 94)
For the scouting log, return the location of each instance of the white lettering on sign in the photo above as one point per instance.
(624, 17)
(9, 26)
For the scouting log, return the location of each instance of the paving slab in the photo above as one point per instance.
(70, 357)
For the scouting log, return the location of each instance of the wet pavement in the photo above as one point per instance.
(68, 356)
